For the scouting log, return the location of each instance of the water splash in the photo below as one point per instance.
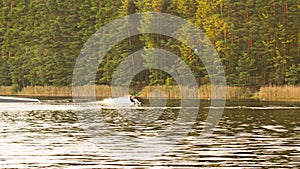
(117, 102)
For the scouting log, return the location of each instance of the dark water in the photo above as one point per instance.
(250, 134)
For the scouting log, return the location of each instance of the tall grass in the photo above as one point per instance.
(160, 92)
(235, 92)
(204, 92)
(6, 90)
(173, 92)
(48, 91)
(66, 91)
(102, 91)
(286, 92)
(92, 90)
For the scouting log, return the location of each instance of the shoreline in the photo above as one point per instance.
(266, 93)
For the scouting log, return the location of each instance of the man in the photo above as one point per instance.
(134, 100)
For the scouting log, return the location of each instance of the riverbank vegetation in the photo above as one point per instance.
(288, 93)
(258, 43)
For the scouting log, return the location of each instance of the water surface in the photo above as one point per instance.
(250, 134)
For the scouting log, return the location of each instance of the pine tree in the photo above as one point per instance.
(156, 77)
(61, 42)
(208, 19)
(245, 69)
(292, 74)
(40, 39)
(14, 48)
(87, 14)
(4, 67)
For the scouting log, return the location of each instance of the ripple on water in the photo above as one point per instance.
(51, 136)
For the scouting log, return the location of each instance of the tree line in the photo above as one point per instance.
(258, 41)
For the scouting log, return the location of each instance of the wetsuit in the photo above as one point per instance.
(131, 99)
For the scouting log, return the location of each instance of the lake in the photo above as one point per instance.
(53, 134)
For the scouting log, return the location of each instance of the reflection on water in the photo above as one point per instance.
(50, 135)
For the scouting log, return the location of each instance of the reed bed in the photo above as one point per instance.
(173, 92)
(204, 92)
(47, 91)
(235, 92)
(6, 90)
(232, 92)
(160, 92)
(100, 91)
(92, 90)
(287, 92)
(67, 91)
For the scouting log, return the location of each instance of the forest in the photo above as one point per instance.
(257, 40)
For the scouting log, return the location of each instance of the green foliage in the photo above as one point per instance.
(169, 81)
(5, 78)
(245, 69)
(258, 41)
(292, 75)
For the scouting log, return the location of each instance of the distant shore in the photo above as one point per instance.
(272, 93)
